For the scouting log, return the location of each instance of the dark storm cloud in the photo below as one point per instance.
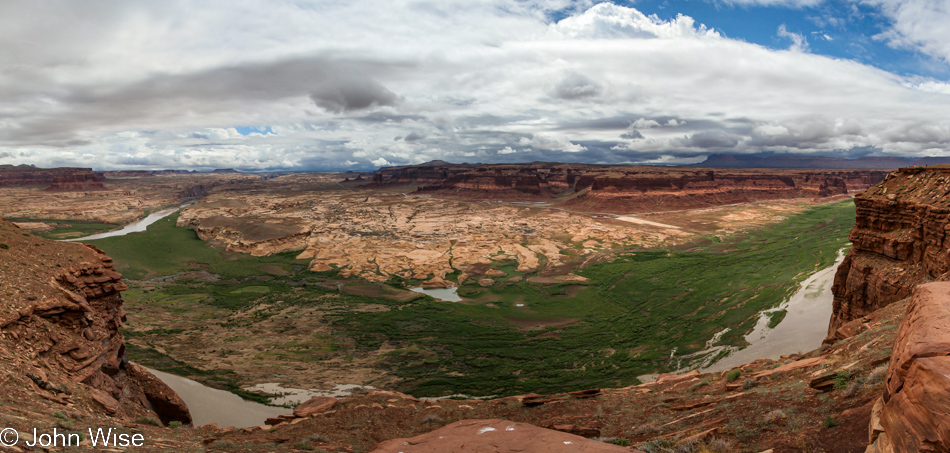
(339, 86)
(632, 134)
(414, 136)
(346, 95)
(713, 139)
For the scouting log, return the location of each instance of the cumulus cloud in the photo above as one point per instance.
(556, 142)
(917, 24)
(632, 134)
(117, 84)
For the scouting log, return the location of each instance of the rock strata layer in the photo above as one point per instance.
(899, 241)
(59, 331)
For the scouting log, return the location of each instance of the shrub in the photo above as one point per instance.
(148, 421)
(876, 375)
(225, 445)
(842, 379)
(4, 246)
(830, 422)
(174, 424)
(432, 418)
(622, 442)
(773, 415)
(648, 428)
(721, 445)
(733, 375)
(304, 446)
(699, 385)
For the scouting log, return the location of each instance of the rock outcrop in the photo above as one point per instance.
(911, 415)
(899, 241)
(57, 179)
(497, 436)
(59, 331)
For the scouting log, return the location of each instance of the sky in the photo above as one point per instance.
(281, 85)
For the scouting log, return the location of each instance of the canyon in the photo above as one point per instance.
(444, 225)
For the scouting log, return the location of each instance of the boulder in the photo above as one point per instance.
(315, 405)
(496, 436)
(165, 402)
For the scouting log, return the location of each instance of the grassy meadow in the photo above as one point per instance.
(516, 336)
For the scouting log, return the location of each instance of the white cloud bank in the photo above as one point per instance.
(114, 84)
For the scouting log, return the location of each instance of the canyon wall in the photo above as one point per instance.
(624, 189)
(60, 320)
(898, 242)
(57, 179)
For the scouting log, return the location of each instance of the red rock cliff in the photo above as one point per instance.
(60, 317)
(899, 241)
(57, 179)
(625, 188)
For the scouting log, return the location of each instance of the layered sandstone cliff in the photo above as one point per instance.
(60, 316)
(625, 189)
(57, 179)
(899, 241)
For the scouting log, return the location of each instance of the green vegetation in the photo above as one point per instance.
(65, 229)
(166, 250)
(842, 379)
(512, 337)
(733, 375)
(830, 421)
(776, 317)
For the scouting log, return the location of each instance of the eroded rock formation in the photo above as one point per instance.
(911, 415)
(59, 331)
(899, 241)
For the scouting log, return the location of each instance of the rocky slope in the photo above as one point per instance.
(898, 242)
(625, 189)
(62, 350)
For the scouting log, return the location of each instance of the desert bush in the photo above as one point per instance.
(174, 424)
(432, 418)
(830, 421)
(733, 375)
(225, 445)
(649, 428)
(773, 415)
(876, 375)
(148, 421)
(842, 379)
(4, 246)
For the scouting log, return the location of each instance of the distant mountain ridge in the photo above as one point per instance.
(825, 162)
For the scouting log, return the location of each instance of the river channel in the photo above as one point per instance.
(134, 227)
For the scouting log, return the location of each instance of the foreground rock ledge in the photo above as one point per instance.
(911, 416)
(495, 435)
